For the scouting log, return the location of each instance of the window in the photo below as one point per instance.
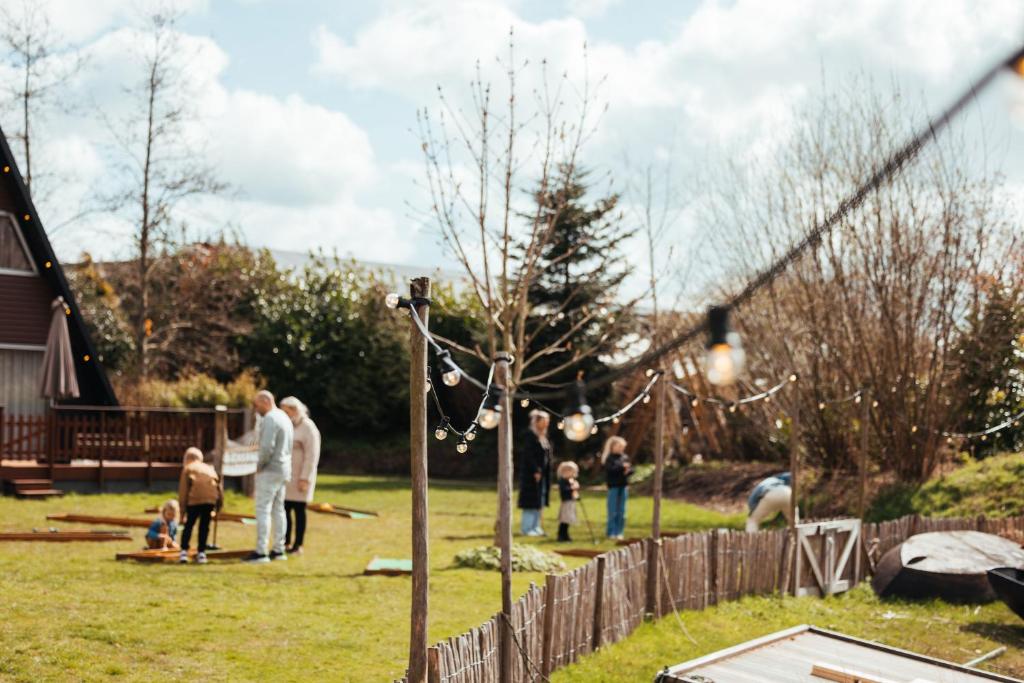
(14, 256)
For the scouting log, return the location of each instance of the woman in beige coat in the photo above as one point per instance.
(305, 456)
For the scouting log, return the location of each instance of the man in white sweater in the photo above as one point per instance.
(273, 470)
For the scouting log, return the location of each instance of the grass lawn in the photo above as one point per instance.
(71, 612)
(956, 633)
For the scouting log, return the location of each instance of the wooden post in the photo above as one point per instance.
(501, 376)
(549, 622)
(794, 508)
(865, 419)
(2, 431)
(220, 439)
(433, 665)
(51, 438)
(599, 601)
(653, 548)
(102, 447)
(419, 288)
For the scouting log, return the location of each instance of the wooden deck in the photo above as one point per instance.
(91, 471)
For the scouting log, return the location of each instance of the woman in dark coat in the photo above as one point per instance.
(534, 473)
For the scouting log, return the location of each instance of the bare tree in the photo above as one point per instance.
(44, 63)
(161, 166)
(881, 302)
(499, 176)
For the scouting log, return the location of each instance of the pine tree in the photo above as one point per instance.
(579, 276)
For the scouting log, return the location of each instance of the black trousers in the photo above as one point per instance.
(298, 509)
(202, 514)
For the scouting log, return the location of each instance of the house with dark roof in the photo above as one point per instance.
(30, 279)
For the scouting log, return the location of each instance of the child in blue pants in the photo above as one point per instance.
(617, 470)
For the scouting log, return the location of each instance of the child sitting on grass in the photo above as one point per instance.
(161, 533)
(199, 493)
(569, 492)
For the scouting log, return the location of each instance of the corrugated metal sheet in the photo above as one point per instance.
(19, 382)
(788, 657)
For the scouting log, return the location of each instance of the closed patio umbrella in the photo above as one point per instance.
(59, 378)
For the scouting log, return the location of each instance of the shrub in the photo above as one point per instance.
(525, 558)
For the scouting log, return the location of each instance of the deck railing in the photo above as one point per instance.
(133, 434)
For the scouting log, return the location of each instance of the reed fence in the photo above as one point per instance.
(603, 601)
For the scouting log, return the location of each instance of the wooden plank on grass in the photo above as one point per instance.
(579, 552)
(95, 519)
(340, 510)
(222, 516)
(65, 536)
(172, 555)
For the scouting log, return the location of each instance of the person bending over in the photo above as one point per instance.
(770, 497)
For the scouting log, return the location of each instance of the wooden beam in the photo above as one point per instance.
(66, 536)
(501, 378)
(97, 519)
(418, 645)
(173, 555)
(832, 672)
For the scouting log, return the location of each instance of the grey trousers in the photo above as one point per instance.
(270, 509)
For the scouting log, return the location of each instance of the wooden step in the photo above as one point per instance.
(39, 493)
(25, 484)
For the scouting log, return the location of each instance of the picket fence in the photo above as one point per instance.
(603, 601)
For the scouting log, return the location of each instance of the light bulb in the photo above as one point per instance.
(525, 403)
(488, 418)
(577, 427)
(593, 430)
(732, 408)
(821, 406)
(649, 372)
(392, 300)
(793, 377)
(694, 403)
(440, 433)
(857, 399)
(452, 377)
(471, 432)
(462, 447)
(647, 398)
(560, 425)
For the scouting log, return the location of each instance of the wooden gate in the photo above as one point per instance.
(827, 557)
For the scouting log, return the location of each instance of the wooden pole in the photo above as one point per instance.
(220, 447)
(865, 420)
(550, 582)
(794, 473)
(653, 548)
(599, 601)
(501, 376)
(420, 288)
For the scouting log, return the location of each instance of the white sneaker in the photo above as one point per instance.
(183, 557)
(201, 558)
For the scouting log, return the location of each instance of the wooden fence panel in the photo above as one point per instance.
(572, 619)
(625, 592)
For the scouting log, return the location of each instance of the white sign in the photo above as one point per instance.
(240, 463)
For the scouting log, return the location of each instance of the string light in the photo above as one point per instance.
(821, 405)
(594, 430)
(525, 403)
(647, 399)
(462, 446)
(392, 300)
(490, 410)
(725, 357)
(441, 433)
(471, 432)
(579, 419)
(793, 377)
(451, 374)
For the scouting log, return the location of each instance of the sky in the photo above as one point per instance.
(308, 111)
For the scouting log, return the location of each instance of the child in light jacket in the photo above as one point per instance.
(569, 492)
(199, 494)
